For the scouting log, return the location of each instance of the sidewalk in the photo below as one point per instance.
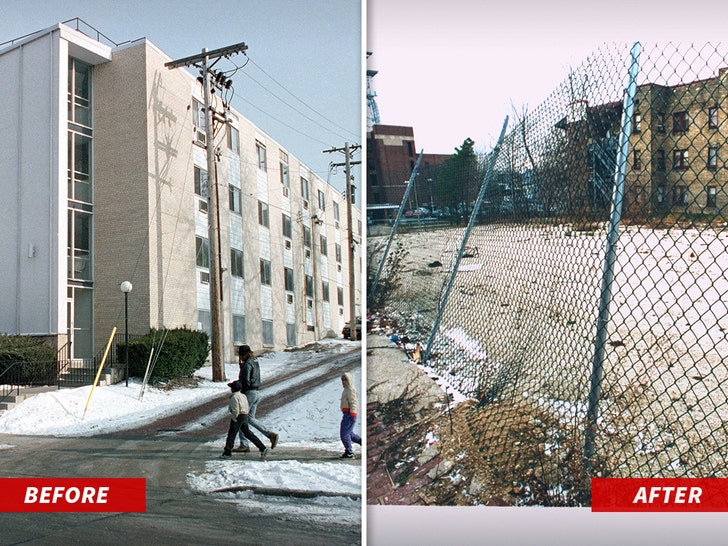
(402, 406)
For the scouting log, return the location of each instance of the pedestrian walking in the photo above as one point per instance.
(349, 409)
(238, 406)
(249, 377)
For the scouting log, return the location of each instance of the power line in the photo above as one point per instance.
(298, 99)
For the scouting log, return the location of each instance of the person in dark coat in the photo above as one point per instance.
(238, 407)
(249, 377)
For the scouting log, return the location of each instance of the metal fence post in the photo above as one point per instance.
(458, 257)
(609, 260)
(410, 184)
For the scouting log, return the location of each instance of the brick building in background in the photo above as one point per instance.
(391, 156)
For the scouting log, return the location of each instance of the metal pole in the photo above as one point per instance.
(411, 183)
(458, 257)
(126, 334)
(610, 257)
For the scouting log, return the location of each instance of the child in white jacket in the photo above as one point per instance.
(349, 408)
(238, 407)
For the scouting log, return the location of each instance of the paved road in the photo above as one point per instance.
(174, 514)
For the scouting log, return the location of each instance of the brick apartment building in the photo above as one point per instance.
(105, 180)
(677, 163)
(391, 156)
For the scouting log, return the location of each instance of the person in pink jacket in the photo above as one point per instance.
(349, 409)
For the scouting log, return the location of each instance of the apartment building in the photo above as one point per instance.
(106, 181)
(677, 162)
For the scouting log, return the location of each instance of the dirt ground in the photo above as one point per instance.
(422, 450)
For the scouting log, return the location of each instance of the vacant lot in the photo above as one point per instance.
(519, 326)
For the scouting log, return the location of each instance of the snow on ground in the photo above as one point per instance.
(312, 422)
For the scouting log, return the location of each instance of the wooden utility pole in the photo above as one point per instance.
(205, 61)
(348, 151)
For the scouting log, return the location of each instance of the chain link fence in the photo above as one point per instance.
(572, 282)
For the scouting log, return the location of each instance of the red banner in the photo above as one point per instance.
(659, 495)
(73, 495)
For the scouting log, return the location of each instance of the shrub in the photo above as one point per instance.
(36, 356)
(184, 351)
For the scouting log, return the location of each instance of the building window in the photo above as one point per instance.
(636, 160)
(680, 159)
(307, 236)
(79, 92)
(260, 150)
(712, 157)
(239, 329)
(325, 290)
(263, 218)
(204, 321)
(338, 252)
(340, 295)
(268, 332)
(285, 177)
(288, 275)
(79, 167)
(637, 119)
(679, 196)
(713, 117)
(712, 194)
(233, 139)
(201, 186)
(199, 121)
(680, 122)
(336, 211)
(660, 196)
(236, 263)
(79, 245)
(265, 272)
(660, 161)
(203, 252)
(287, 227)
(236, 204)
(304, 192)
(309, 286)
(321, 200)
(660, 122)
(324, 243)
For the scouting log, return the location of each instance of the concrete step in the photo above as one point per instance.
(24, 393)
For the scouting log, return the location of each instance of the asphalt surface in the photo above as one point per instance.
(174, 514)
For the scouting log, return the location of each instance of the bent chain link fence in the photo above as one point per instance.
(586, 356)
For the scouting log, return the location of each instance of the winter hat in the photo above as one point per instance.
(235, 386)
(243, 350)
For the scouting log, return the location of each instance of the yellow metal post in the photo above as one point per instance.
(101, 367)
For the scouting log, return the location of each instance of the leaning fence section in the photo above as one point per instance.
(521, 331)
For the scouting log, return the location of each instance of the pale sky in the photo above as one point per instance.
(306, 55)
(453, 69)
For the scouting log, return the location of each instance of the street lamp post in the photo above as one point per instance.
(126, 288)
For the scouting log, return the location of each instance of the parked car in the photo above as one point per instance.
(346, 332)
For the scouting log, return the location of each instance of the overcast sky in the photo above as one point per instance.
(452, 69)
(306, 56)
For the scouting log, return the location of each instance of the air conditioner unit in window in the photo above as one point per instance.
(201, 137)
(204, 277)
(288, 244)
(202, 205)
(305, 204)
(286, 191)
(308, 253)
(289, 298)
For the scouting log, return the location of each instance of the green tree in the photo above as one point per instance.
(457, 182)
